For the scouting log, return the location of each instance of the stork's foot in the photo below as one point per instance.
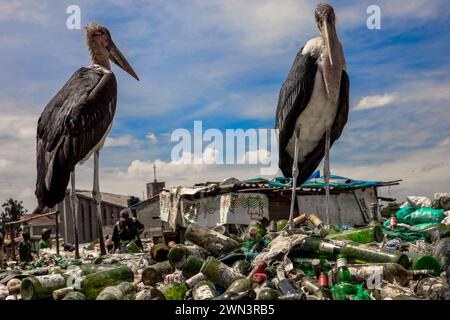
(40, 209)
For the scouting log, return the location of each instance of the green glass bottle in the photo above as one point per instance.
(343, 273)
(343, 291)
(59, 294)
(254, 232)
(156, 273)
(179, 254)
(220, 273)
(192, 266)
(159, 252)
(367, 234)
(150, 294)
(242, 266)
(389, 272)
(92, 284)
(210, 240)
(281, 224)
(241, 285)
(364, 253)
(306, 265)
(41, 287)
(268, 293)
(230, 295)
(175, 291)
(424, 262)
(310, 286)
(76, 295)
(122, 291)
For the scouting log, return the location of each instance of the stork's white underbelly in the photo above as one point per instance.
(319, 114)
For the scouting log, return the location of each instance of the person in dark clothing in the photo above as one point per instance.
(25, 248)
(45, 242)
(127, 230)
(1, 250)
(109, 244)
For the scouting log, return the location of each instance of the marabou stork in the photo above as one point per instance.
(313, 106)
(75, 123)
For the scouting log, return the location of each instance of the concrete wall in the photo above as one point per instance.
(353, 206)
(148, 214)
(87, 222)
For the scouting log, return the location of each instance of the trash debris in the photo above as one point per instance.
(392, 260)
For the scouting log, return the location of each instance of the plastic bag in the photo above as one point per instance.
(419, 202)
(424, 215)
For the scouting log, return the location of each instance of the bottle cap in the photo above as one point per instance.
(315, 263)
(259, 277)
(341, 262)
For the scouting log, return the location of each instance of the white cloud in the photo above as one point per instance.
(152, 138)
(24, 11)
(422, 9)
(123, 141)
(445, 142)
(425, 91)
(423, 172)
(371, 102)
(187, 51)
(4, 164)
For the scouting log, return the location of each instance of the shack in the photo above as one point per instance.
(238, 202)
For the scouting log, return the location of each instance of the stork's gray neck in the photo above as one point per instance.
(99, 55)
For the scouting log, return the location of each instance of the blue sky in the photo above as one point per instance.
(223, 62)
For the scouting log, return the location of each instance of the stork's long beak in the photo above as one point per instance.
(329, 33)
(117, 57)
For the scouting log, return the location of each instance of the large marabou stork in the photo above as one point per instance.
(74, 125)
(313, 106)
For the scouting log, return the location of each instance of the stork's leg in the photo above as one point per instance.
(326, 169)
(74, 209)
(98, 199)
(294, 180)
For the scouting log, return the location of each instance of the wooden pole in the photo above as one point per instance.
(57, 232)
(13, 250)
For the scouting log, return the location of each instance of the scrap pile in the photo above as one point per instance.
(306, 260)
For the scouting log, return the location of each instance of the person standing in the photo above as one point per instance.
(1, 249)
(45, 239)
(25, 248)
(126, 231)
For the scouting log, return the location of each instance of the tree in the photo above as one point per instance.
(13, 210)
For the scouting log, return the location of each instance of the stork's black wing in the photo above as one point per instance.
(312, 160)
(70, 126)
(293, 99)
